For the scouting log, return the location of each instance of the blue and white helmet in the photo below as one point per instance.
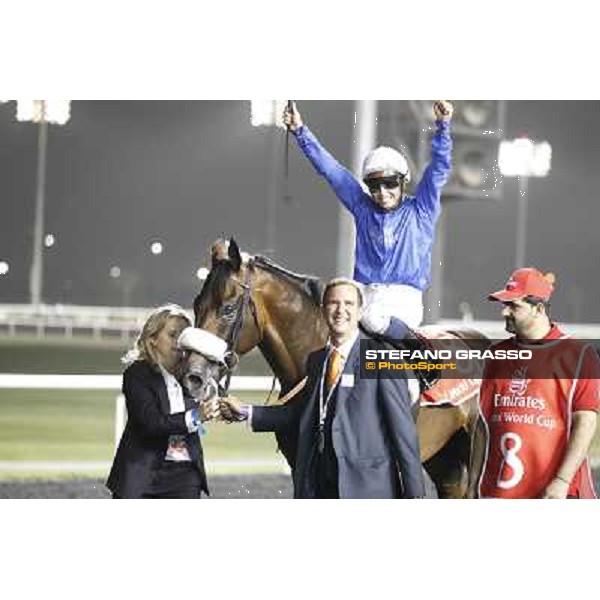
(387, 160)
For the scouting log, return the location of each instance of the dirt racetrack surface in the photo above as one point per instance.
(225, 486)
(222, 487)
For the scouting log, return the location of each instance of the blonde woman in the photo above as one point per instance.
(160, 453)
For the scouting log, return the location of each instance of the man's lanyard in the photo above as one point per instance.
(324, 401)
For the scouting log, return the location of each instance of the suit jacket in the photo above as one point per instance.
(373, 432)
(145, 439)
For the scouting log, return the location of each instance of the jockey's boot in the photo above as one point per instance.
(415, 343)
(397, 333)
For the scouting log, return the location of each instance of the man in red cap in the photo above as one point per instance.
(537, 415)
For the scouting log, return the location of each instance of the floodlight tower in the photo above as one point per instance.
(523, 158)
(42, 112)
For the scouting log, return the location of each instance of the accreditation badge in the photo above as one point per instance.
(347, 380)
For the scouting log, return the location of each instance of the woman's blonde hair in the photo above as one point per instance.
(155, 321)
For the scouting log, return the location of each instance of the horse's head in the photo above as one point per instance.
(226, 305)
(202, 376)
(207, 361)
(251, 301)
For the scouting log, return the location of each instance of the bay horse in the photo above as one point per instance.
(252, 301)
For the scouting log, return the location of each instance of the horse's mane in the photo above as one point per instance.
(214, 286)
(312, 286)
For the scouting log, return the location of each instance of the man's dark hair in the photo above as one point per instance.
(534, 301)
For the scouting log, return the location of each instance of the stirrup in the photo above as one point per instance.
(413, 341)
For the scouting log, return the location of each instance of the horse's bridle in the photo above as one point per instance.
(242, 303)
(232, 337)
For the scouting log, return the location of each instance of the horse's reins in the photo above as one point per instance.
(286, 171)
(242, 304)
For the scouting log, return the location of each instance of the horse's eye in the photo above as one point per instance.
(226, 311)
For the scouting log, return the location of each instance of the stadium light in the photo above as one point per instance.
(523, 158)
(202, 273)
(57, 112)
(267, 113)
(156, 248)
(41, 112)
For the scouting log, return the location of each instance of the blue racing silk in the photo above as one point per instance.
(391, 247)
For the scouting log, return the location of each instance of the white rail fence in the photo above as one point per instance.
(495, 329)
(109, 322)
(69, 320)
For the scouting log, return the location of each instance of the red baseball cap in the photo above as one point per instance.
(526, 282)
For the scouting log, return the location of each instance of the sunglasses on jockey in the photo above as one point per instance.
(389, 183)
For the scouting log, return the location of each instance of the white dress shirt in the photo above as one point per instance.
(343, 349)
(177, 450)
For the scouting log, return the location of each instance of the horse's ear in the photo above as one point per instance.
(234, 255)
(218, 251)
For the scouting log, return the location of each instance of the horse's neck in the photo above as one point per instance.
(292, 331)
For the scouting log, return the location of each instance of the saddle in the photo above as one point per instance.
(450, 389)
(439, 387)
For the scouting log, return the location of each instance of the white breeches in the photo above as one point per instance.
(401, 301)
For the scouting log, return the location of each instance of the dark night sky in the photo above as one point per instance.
(122, 174)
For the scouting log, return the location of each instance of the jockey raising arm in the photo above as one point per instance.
(394, 231)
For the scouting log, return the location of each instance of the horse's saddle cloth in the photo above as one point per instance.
(452, 388)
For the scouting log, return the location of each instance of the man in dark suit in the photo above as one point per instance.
(356, 436)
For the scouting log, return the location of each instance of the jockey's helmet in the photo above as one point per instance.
(386, 160)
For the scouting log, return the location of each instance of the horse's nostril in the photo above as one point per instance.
(195, 380)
